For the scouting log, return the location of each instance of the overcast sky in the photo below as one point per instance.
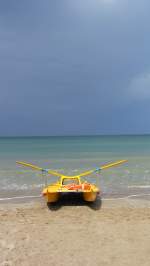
(73, 67)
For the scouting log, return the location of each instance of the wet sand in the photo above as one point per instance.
(113, 232)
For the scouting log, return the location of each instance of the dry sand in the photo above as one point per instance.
(116, 233)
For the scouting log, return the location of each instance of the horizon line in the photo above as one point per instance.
(80, 135)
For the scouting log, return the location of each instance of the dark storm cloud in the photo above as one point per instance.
(74, 67)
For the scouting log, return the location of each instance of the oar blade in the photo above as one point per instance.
(34, 167)
(106, 166)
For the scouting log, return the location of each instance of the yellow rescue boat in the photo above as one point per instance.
(70, 184)
(67, 184)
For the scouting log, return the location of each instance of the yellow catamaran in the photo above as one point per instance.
(66, 184)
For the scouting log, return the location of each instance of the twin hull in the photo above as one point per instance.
(54, 196)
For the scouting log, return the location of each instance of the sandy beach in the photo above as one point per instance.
(115, 233)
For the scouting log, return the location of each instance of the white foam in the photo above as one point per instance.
(16, 187)
(147, 171)
(127, 197)
(20, 197)
(140, 186)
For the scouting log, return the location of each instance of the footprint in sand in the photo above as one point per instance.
(5, 245)
(6, 263)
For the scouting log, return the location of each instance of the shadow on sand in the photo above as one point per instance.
(71, 199)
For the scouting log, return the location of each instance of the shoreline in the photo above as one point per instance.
(35, 195)
(68, 201)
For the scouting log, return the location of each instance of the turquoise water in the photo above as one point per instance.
(72, 155)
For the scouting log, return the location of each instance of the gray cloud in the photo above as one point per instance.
(70, 67)
(139, 87)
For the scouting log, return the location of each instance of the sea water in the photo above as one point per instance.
(74, 155)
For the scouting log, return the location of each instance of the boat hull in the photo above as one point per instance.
(89, 196)
(52, 197)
